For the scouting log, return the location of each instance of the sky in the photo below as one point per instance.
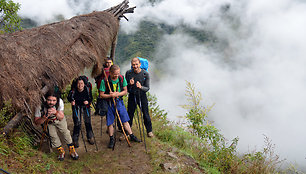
(254, 75)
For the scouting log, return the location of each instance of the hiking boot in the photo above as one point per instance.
(111, 142)
(134, 138)
(91, 141)
(73, 153)
(61, 155)
(150, 134)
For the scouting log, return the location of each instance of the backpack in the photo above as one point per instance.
(144, 63)
(99, 78)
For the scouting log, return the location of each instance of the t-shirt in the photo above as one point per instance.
(115, 83)
(60, 108)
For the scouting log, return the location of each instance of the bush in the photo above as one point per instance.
(6, 113)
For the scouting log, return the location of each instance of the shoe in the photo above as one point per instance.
(134, 138)
(91, 141)
(111, 142)
(150, 134)
(76, 144)
(73, 153)
(61, 155)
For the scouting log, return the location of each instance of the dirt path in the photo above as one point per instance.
(123, 159)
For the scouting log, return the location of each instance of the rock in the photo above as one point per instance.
(169, 167)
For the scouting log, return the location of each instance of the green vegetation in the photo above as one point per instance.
(197, 141)
(141, 44)
(6, 113)
(9, 20)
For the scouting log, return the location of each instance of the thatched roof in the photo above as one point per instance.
(54, 54)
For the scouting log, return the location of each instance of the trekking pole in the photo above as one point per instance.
(92, 130)
(6, 172)
(80, 114)
(142, 119)
(126, 138)
(44, 133)
(137, 118)
(115, 129)
(101, 125)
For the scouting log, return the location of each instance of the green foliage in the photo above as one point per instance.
(9, 20)
(141, 44)
(6, 113)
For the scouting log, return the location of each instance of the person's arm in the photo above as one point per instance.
(105, 96)
(146, 85)
(128, 79)
(40, 120)
(59, 113)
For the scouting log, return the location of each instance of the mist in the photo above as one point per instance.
(254, 74)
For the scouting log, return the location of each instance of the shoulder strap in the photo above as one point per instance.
(121, 82)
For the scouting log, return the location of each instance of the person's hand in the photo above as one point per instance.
(73, 103)
(115, 94)
(51, 111)
(85, 102)
(132, 81)
(138, 85)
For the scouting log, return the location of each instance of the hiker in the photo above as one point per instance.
(100, 110)
(51, 112)
(118, 89)
(138, 84)
(80, 99)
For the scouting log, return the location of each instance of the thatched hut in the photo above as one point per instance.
(54, 54)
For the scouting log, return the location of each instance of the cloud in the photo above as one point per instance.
(254, 73)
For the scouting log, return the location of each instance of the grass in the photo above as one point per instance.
(18, 156)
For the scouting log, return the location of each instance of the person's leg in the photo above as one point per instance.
(109, 121)
(63, 129)
(145, 112)
(131, 108)
(55, 141)
(87, 121)
(125, 118)
(76, 127)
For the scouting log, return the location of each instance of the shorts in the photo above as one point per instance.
(110, 117)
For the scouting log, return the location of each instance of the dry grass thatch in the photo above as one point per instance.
(54, 54)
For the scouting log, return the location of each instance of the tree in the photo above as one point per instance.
(9, 20)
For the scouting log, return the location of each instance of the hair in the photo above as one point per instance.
(114, 68)
(79, 78)
(134, 59)
(54, 92)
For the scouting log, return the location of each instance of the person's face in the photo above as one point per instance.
(136, 65)
(51, 101)
(114, 75)
(108, 63)
(80, 85)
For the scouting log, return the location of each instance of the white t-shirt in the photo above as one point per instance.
(60, 108)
